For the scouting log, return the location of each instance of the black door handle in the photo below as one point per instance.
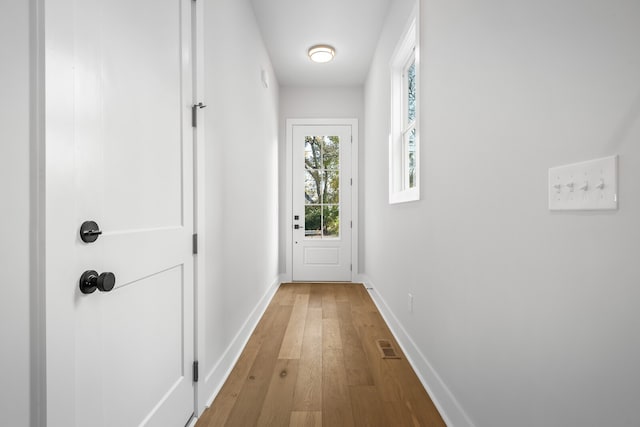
(90, 281)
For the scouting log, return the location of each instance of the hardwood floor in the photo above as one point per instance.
(313, 360)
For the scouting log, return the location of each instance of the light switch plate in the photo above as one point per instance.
(590, 185)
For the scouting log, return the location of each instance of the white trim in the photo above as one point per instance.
(288, 210)
(446, 403)
(288, 222)
(214, 380)
(199, 181)
(409, 45)
(38, 392)
(355, 201)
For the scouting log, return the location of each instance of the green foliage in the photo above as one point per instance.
(411, 92)
(411, 116)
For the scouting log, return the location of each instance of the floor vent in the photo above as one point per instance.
(386, 349)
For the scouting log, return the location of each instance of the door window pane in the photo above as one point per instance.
(313, 152)
(331, 187)
(330, 221)
(331, 152)
(312, 222)
(312, 187)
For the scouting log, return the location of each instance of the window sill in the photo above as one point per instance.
(410, 195)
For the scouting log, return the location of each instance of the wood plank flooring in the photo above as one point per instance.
(313, 361)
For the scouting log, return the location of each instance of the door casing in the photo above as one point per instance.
(288, 211)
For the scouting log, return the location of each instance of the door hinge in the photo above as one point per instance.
(351, 224)
(350, 267)
(351, 181)
(195, 371)
(194, 113)
(194, 244)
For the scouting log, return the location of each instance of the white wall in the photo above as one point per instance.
(314, 103)
(529, 317)
(241, 184)
(14, 213)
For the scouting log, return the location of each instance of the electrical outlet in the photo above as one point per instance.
(410, 303)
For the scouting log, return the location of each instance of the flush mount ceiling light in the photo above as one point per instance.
(321, 53)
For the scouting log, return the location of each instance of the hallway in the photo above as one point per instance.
(513, 313)
(313, 361)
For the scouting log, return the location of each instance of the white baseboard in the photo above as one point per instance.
(216, 377)
(443, 399)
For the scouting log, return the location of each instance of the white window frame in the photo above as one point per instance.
(406, 52)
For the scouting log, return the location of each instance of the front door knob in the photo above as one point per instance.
(90, 281)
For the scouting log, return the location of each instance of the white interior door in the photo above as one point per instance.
(321, 202)
(119, 152)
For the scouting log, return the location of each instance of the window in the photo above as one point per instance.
(404, 134)
(322, 187)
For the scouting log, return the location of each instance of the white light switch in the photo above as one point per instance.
(591, 185)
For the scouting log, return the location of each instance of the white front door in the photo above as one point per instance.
(321, 202)
(119, 151)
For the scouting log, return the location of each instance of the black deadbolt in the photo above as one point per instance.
(90, 281)
(89, 231)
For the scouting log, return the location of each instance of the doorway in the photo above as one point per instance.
(322, 160)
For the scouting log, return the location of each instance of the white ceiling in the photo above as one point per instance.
(290, 27)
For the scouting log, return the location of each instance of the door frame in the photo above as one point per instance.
(199, 198)
(288, 211)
